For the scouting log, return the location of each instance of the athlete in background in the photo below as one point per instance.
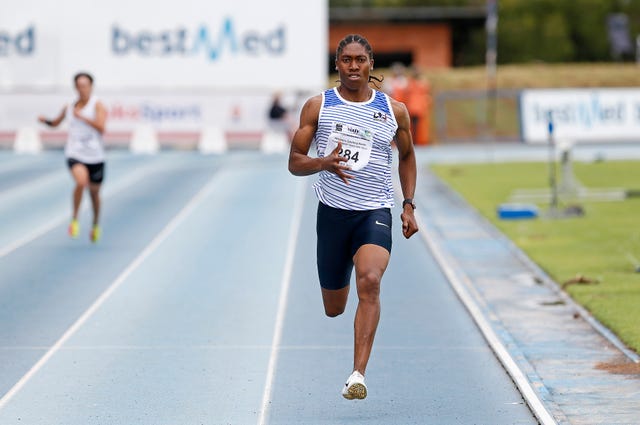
(353, 126)
(84, 149)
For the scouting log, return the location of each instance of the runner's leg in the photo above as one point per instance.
(80, 174)
(370, 263)
(335, 300)
(94, 190)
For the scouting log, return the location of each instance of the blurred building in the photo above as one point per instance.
(420, 37)
(426, 37)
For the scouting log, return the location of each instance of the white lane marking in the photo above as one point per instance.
(446, 264)
(133, 177)
(523, 384)
(282, 303)
(243, 347)
(51, 178)
(13, 161)
(148, 250)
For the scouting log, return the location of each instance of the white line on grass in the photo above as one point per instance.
(282, 303)
(148, 250)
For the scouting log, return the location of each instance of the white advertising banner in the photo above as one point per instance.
(581, 115)
(277, 44)
(241, 115)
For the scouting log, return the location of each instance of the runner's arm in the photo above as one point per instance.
(54, 122)
(300, 163)
(406, 166)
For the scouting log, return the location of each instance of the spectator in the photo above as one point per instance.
(278, 116)
(418, 102)
(396, 85)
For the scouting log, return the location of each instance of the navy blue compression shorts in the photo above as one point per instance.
(340, 234)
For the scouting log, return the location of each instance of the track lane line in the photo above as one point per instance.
(282, 302)
(58, 220)
(14, 161)
(146, 252)
(461, 285)
(16, 191)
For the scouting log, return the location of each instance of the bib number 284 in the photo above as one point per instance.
(351, 156)
(356, 144)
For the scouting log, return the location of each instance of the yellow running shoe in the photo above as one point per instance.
(74, 228)
(95, 233)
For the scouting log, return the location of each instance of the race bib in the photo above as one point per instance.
(356, 144)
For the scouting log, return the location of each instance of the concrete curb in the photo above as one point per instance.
(551, 353)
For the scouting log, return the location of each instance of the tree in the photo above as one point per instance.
(532, 30)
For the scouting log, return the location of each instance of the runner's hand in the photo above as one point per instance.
(409, 224)
(337, 164)
(76, 113)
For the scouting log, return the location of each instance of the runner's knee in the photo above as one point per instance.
(369, 286)
(333, 311)
(81, 184)
(335, 300)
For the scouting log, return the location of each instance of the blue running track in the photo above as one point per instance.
(200, 305)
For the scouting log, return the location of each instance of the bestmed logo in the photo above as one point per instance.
(212, 43)
(585, 112)
(23, 42)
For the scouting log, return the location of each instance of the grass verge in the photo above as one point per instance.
(601, 245)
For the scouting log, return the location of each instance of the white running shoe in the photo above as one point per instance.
(355, 387)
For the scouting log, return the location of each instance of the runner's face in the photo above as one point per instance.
(83, 86)
(354, 65)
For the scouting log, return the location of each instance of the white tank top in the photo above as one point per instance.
(84, 143)
(365, 130)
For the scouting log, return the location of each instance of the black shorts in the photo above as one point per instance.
(96, 171)
(340, 234)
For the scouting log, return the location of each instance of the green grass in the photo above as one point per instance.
(539, 75)
(596, 245)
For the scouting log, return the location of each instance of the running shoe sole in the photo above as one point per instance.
(355, 392)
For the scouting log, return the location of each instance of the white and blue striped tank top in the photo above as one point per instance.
(365, 130)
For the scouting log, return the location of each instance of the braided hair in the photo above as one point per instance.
(357, 38)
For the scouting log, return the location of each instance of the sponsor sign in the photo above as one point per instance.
(168, 45)
(581, 115)
(190, 113)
